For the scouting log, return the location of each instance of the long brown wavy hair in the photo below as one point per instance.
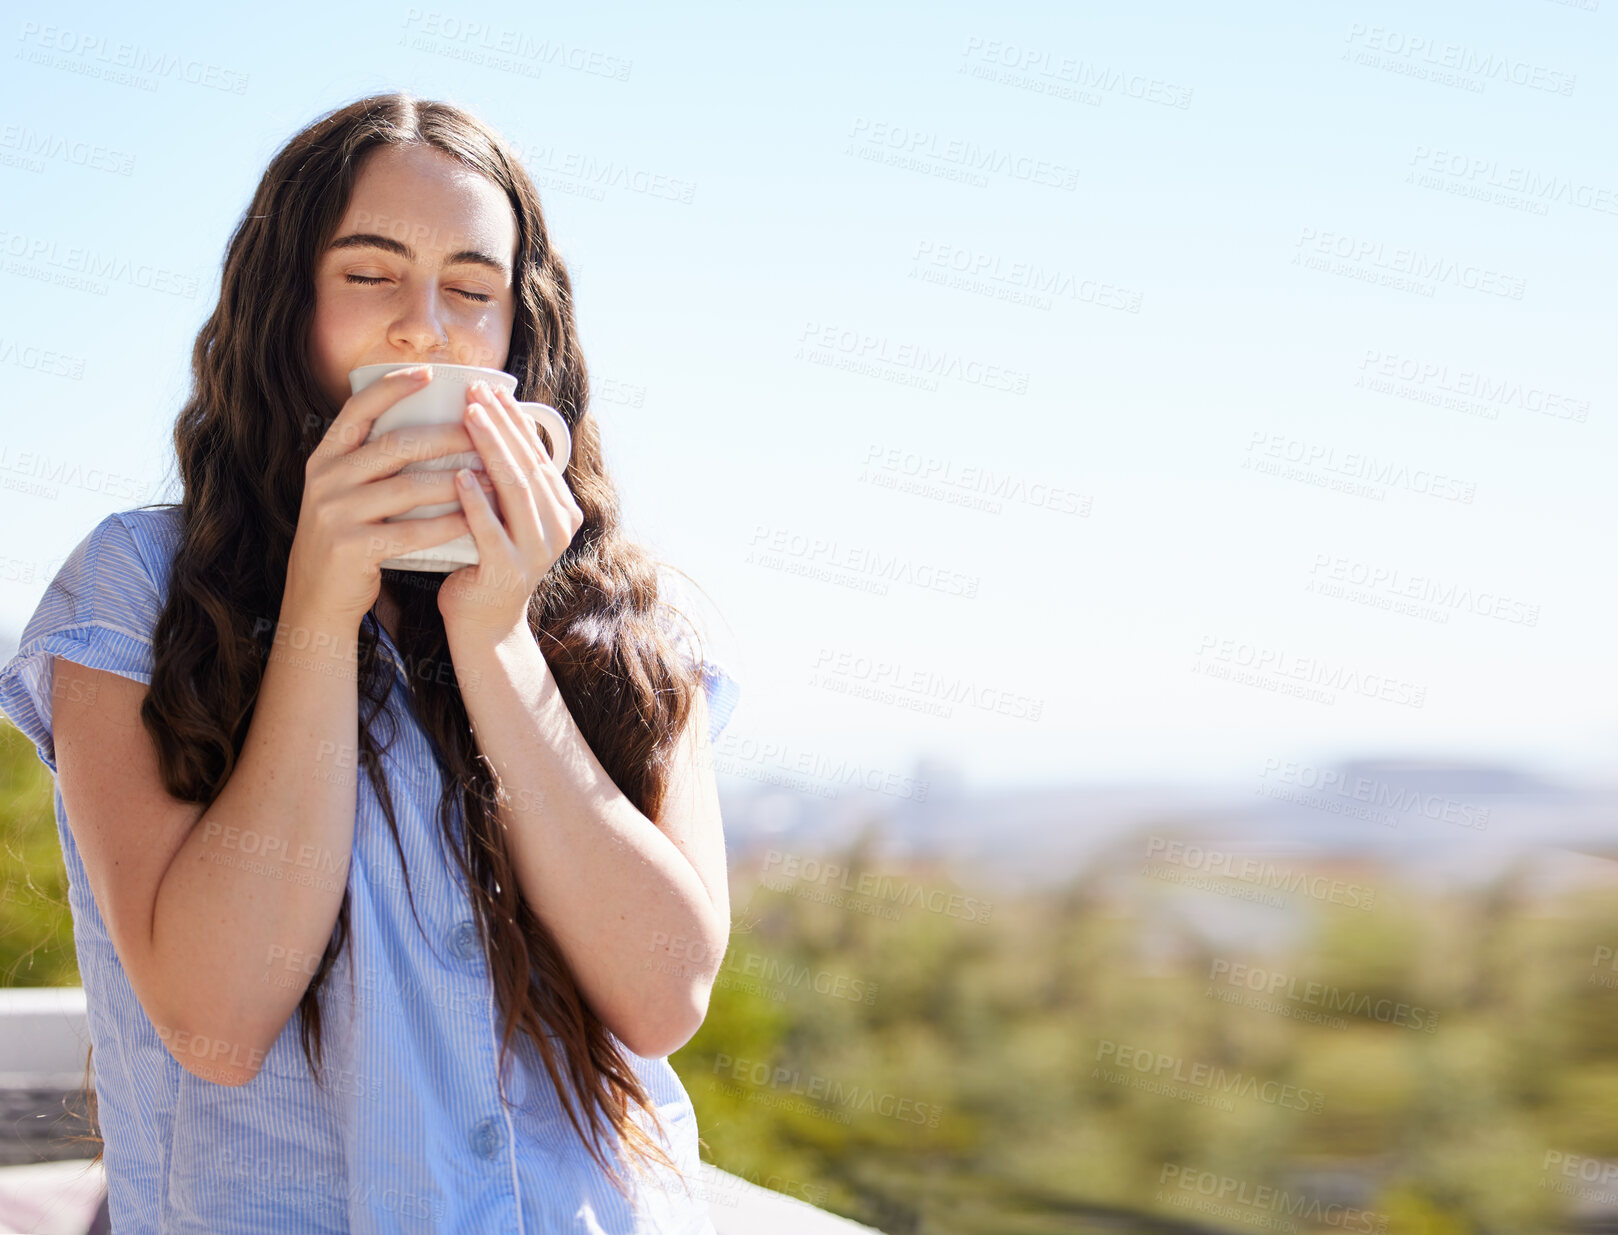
(253, 417)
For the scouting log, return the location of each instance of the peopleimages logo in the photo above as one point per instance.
(1399, 260)
(1400, 584)
(34, 146)
(1323, 995)
(86, 265)
(95, 55)
(1259, 872)
(1173, 1068)
(1470, 385)
(1379, 795)
(1356, 465)
(1418, 50)
(1280, 665)
(1226, 1191)
(782, 870)
(832, 339)
(843, 1098)
(1534, 186)
(904, 142)
(40, 474)
(1018, 61)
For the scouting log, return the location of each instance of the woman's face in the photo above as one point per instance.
(418, 270)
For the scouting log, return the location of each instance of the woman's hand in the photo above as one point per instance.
(538, 518)
(352, 486)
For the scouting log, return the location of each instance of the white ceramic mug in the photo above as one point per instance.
(442, 401)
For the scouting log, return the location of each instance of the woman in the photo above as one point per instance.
(394, 890)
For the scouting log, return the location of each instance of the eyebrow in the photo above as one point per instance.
(371, 240)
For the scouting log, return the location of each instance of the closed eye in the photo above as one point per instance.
(367, 280)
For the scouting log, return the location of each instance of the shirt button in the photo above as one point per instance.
(488, 1138)
(463, 940)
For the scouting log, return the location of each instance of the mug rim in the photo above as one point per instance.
(434, 365)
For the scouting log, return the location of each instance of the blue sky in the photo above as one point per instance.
(1065, 394)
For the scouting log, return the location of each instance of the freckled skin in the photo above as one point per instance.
(423, 310)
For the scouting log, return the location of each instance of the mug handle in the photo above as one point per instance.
(556, 429)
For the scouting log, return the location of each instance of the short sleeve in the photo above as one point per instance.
(99, 611)
(719, 684)
(723, 692)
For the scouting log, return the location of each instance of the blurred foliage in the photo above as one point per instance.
(36, 926)
(999, 1023)
(935, 1070)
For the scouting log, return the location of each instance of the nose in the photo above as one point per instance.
(420, 329)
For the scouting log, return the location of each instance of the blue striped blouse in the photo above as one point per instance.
(408, 1133)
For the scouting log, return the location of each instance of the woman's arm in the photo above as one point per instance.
(220, 916)
(615, 887)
